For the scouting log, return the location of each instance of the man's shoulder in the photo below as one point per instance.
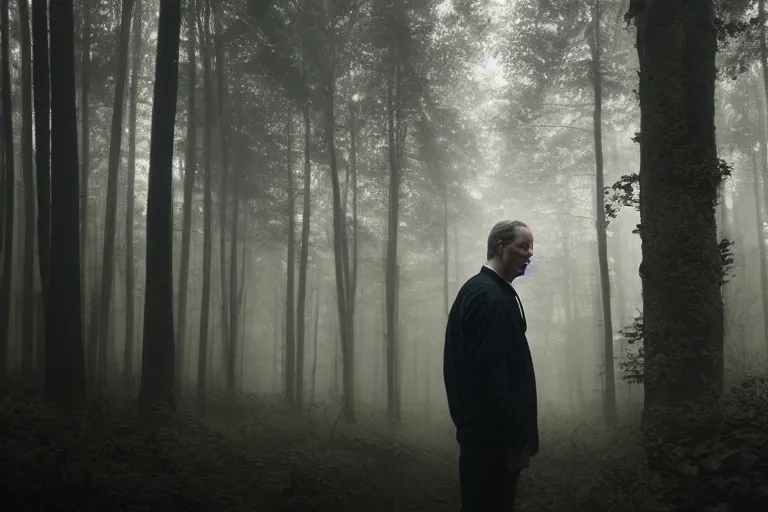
(481, 286)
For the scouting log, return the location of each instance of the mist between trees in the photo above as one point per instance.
(270, 206)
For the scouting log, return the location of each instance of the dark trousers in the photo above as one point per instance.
(488, 484)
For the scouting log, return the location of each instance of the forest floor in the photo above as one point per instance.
(259, 456)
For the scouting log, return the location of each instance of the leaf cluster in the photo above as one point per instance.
(716, 451)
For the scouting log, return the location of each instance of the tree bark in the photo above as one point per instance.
(227, 340)
(9, 188)
(42, 102)
(301, 320)
(186, 209)
(157, 368)
(290, 336)
(64, 362)
(396, 141)
(28, 272)
(113, 169)
(679, 177)
(609, 394)
(130, 285)
(85, 134)
(202, 362)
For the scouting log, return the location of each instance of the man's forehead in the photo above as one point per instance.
(523, 232)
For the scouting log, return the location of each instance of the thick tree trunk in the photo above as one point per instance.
(64, 364)
(42, 101)
(186, 209)
(301, 320)
(202, 361)
(157, 368)
(130, 285)
(679, 178)
(9, 189)
(113, 168)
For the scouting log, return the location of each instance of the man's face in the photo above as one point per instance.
(516, 255)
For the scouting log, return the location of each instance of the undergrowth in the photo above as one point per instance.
(257, 455)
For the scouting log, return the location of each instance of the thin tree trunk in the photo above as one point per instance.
(227, 339)
(301, 320)
(189, 184)
(130, 286)
(64, 364)
(113, 168)
(341, 264)
(446, 255)
(42, 137)
(290, 340)
(27, 155)
(314, 344)
(10, 186)
(85, 173)
(202, 365)
(234, 295)
(352, 288)
(396, 145)
(609, 397)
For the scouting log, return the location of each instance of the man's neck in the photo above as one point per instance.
(494, 265)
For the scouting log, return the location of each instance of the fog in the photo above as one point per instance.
(337, 167)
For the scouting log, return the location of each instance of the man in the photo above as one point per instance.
(489, 377)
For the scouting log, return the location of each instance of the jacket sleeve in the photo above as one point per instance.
(495, 331)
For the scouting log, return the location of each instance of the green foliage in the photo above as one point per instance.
(716, 453)
(625, 192)
(632, 364)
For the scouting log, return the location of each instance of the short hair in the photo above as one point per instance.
(501, 233)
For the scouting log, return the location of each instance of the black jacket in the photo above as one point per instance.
(487, 366)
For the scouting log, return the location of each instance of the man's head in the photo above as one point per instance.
(510, 247)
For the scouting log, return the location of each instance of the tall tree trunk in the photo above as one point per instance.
(763, 50)
(290, 336)
(609, 396)
(679, 177)
(234, 295)
(446, 254)
(301, 320)
(186, 208)
(10, 186)
(396, 144)
(42, 137)
(314, 344)
(85, 173)
(130, 287)
(340, 256)
(757, 182)
(227, 340)
(113, 168)
(157, 363)
(28, 272)
(64, 364)
(352, 288)
(202, 363)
